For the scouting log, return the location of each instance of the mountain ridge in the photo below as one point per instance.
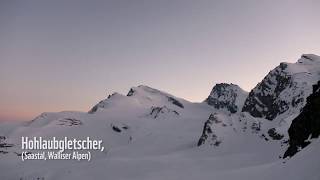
(150, 133)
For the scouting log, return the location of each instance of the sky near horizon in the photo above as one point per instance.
(69, 54)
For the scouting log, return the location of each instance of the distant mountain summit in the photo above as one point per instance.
(140, 96)
(285, 89)
(153, 94)
(227, 97)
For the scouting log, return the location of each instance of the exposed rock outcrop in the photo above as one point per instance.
(227, 97)
(209, 135)
(284, 90)
(307, 125)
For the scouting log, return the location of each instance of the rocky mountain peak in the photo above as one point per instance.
(228, 97)
(284, 89)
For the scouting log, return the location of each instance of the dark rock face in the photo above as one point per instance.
(284, 90)
(263, 100)
(208, 135)
(119, 127)
(158, 111)
(116, 129)
(131, 92)
(306, 125)
(274, 134)
(175, 102)
(225, 96)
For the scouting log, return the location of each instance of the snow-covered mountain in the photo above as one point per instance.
(270, 107)
(151, 134)
(285, 89)
(140, 96)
